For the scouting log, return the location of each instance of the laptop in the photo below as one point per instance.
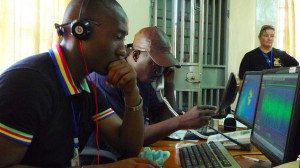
(247, 100)
(227, 99)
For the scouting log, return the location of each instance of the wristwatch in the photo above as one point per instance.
(135, 108)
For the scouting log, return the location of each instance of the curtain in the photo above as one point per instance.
(297, 28)
(27, 28)
(291, 28)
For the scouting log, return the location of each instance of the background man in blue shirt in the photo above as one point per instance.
(151, 58)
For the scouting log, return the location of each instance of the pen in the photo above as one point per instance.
(250, 158)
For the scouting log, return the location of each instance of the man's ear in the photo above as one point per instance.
(136, 54)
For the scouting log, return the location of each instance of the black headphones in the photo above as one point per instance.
(80, 28)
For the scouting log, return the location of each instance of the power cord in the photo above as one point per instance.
(250, 158)
(243, 154)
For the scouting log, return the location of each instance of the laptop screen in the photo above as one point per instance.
(246, 104)
(276, 125)
(229, 94)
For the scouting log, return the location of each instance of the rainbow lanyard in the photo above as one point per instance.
(268, 60)
(70, 89)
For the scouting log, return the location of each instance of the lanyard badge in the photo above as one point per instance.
(75, 161)
(268, 60)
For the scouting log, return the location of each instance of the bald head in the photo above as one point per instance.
(100, 33)
(95, 10)
(99, 12)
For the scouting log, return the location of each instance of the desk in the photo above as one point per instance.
(174, 161)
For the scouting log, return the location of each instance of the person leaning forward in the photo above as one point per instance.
(48, 109)
(152, 59)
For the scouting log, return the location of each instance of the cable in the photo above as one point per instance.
(250, 158)
(176, 114)
(243, 146)
(247, 154)
(95, 98)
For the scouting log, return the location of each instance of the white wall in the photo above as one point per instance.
(242, 33)
(138, 12)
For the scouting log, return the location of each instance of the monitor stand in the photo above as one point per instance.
(265, 164)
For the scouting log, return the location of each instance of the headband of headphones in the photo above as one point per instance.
(80, 28)
(83, 7)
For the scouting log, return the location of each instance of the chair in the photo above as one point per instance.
(89, 156)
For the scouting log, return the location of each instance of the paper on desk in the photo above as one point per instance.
(241, 136)
(181, 133)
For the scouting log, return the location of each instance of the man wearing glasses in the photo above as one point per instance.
(151, 58)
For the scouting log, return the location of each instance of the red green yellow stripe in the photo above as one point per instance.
(103, 114)
(64, 69)
(15, 134)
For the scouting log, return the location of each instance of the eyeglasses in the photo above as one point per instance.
(129, 49)
(65, 24)
(60, 27)
(159, 70)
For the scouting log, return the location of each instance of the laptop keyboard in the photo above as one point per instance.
(206, 155)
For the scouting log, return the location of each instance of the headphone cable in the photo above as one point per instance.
(95, 98)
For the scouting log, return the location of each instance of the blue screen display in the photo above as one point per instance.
(247, 101)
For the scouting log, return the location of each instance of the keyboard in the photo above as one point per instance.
(206, 155)
(205, 130)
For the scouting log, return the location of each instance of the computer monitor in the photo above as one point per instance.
(229, 94)
(276, 125)
(246, 103)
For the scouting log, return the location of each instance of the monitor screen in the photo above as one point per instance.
(276, 120)
(246, 103)
(229, 93)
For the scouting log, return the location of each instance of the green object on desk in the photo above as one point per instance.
(158, 156)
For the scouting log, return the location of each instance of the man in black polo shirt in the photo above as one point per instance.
(47, 107)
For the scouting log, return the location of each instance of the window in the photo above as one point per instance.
(27, 28)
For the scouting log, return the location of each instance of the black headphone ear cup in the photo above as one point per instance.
(81, 29)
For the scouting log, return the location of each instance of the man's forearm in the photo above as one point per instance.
(157, 131)
(132, 131)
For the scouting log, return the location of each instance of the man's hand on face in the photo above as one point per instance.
(121, 74)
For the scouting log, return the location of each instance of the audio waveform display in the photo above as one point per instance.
(275, 129)
(274, 112)
(277, 107)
